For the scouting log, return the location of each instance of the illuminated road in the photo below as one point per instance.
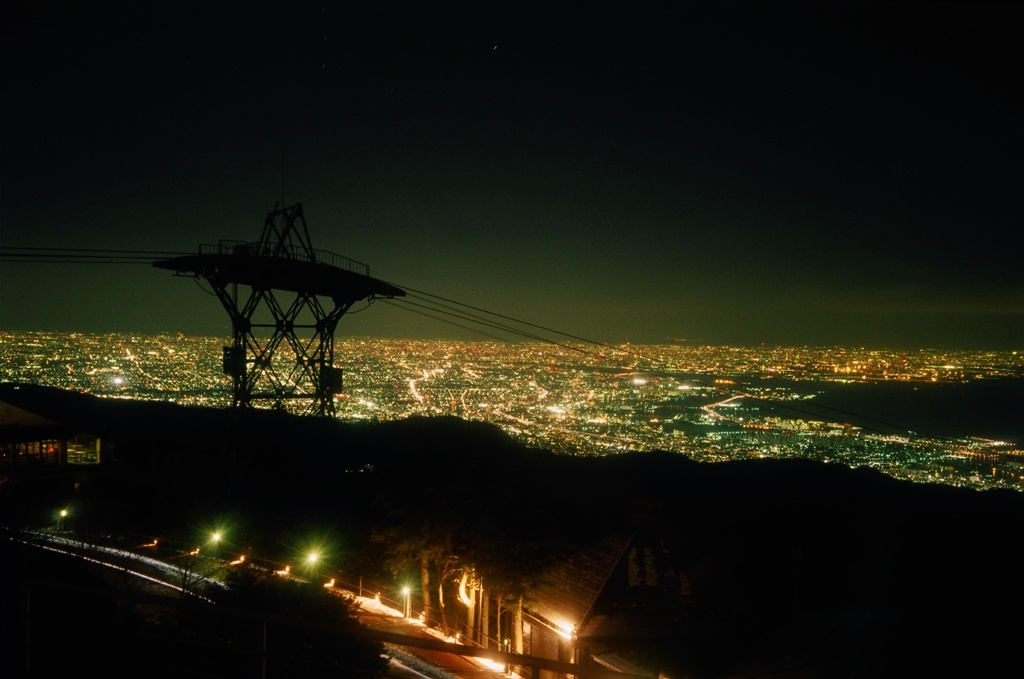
(375, 616)
(710, 408)
(154, 572)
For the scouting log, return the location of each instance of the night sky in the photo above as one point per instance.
(722, 173)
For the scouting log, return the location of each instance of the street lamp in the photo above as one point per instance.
(62, 523)
(216, 537)
(408, 602)
(312, 562)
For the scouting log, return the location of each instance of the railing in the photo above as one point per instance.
(260, 249)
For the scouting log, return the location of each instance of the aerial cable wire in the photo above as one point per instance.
(55, 255)
(104, 251)
(108, 251)
(502, 327)
(442, 320)
(506, 328)
(52, 255)
(73, 259)
(113, 256)
(476, 319)
(603, 345)
(509, 318)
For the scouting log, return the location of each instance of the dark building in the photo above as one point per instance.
(31, 439)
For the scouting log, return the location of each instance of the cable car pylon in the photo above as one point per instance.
(283, 326)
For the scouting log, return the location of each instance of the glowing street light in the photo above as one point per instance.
(408, 602)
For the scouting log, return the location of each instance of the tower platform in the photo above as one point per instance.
(284, 299)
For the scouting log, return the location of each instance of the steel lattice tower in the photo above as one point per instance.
(283, 327)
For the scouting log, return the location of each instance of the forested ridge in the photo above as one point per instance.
(856, 566)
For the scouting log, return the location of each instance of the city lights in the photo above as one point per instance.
(710, 403)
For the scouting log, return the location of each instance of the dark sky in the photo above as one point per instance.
(725, 173)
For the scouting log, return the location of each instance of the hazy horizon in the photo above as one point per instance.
(737, 173)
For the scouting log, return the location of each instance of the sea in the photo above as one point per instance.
(983, 408)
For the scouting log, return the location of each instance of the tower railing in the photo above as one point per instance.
(260, 249)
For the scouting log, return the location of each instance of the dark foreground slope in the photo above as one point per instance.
(837, 571)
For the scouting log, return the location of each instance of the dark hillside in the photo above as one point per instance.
(861, 573)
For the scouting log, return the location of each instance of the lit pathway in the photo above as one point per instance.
(436, 664)
(416, 650)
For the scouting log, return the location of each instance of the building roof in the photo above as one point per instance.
(566, 595)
